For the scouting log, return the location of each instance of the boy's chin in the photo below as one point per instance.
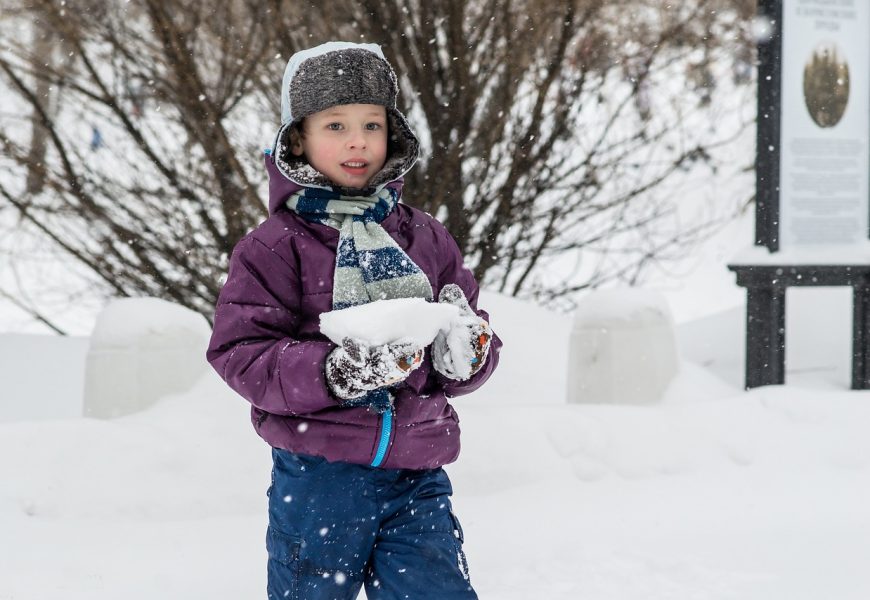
(357, 183)
(351, 181)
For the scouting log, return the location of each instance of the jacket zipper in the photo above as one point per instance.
(384, 440)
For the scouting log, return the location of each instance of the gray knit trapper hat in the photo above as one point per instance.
(337, 73)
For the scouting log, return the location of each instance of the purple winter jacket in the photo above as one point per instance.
(267, 344)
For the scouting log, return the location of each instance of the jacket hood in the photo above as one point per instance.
(333, 74)
(281, 187)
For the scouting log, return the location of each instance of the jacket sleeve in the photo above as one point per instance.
(453, 270)
(253, 345)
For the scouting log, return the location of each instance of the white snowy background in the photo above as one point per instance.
(712, 493)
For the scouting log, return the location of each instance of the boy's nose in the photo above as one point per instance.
(357, 140)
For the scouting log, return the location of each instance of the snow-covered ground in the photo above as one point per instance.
(715, 493)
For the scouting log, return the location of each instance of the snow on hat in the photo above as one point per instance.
(338, 73)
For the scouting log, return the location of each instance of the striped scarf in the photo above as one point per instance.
(369, 264)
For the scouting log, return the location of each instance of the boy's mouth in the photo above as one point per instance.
(355, 167)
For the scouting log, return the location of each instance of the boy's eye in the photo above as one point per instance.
(373, 126)
(334, 126)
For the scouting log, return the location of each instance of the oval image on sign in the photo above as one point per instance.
(826, 85)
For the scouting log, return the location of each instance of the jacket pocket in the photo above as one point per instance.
(262, 415)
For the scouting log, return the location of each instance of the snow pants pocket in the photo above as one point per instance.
(283, 566)
(459, 538)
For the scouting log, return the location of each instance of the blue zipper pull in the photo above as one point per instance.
(384, 441)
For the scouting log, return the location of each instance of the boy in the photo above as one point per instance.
(359, 434)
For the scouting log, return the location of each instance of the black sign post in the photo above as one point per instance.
(766, 282)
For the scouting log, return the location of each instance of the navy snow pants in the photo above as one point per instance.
(334, 527)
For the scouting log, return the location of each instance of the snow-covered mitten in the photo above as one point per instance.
(461, 351)
(353, 369)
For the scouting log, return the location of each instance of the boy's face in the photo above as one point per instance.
(347, 143)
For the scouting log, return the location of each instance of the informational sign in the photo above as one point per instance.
(825, 127)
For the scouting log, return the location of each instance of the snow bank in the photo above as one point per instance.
(41, 376)
(532, 366)
(753, 496)
(714, 493)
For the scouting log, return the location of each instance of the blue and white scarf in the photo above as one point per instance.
(369, 264)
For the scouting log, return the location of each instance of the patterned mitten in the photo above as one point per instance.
(460, 352)
(353, 369)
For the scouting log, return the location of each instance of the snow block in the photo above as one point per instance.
(623, 348)
(142, 349)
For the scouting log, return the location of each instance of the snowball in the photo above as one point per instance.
(388, 321)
